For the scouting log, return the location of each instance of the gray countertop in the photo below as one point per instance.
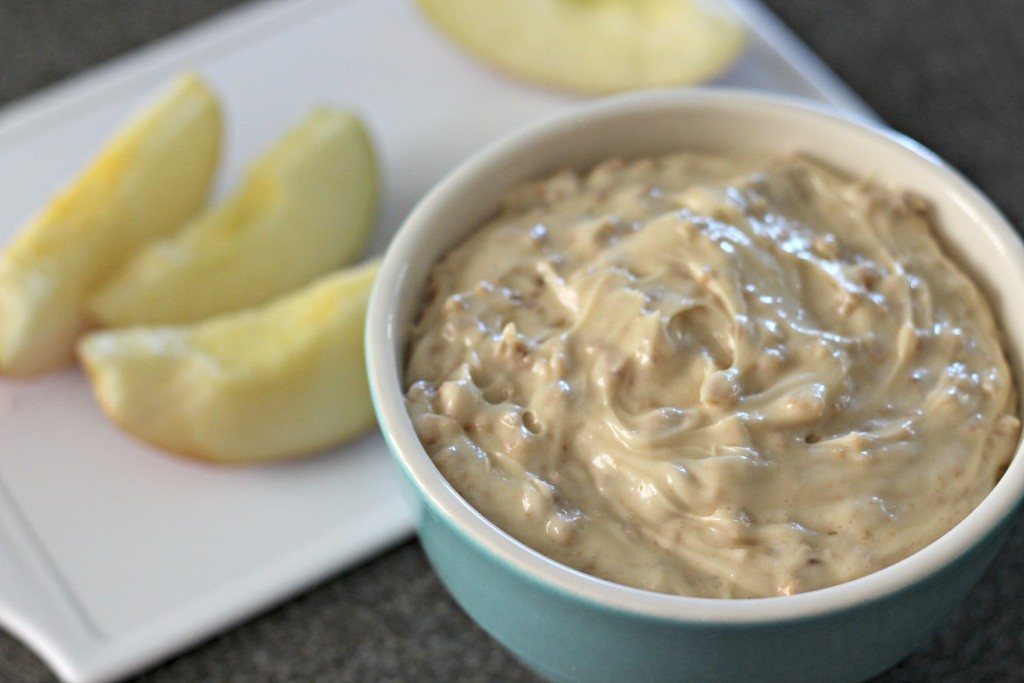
(945, 72)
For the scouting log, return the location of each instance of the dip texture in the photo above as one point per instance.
(712, 376)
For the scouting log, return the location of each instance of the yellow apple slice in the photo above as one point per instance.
(306, 207)
(151, 177)
(595, 46)
(280, 380)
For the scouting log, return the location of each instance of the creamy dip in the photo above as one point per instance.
(712, 377)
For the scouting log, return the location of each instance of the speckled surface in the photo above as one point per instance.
(945, 72)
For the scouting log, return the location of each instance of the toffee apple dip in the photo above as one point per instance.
(712, 376)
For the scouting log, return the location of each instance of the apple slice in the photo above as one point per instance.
(151, 177)
(595, 46)
(306, 207)
(281, 380)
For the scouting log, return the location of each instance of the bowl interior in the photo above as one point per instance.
(973, 231)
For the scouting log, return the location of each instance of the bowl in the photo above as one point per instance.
(569, 626)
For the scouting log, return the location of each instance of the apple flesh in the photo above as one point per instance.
(306, 207)
(261, 384)
(595, 46)
(150, 178)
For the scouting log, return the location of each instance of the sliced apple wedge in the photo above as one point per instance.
(261, 384)
(306, 207)
(151, 177)
(595, 46)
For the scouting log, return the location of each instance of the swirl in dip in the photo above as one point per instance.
(712, 376)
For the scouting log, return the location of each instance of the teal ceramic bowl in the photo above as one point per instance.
(569, 626)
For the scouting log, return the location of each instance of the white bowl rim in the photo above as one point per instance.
(441, 497)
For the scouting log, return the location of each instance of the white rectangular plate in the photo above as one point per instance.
(114, 555)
